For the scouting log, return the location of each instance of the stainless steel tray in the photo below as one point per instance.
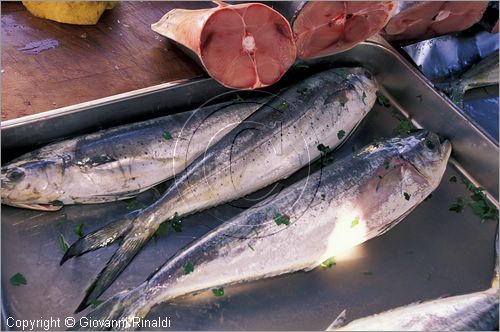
(434, 252)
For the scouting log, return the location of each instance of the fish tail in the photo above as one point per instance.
(136, 237)
(100, 238)
(116, 309)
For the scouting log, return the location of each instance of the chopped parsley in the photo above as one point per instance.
(376, 142)
(17, 280)
(407, 196)
(63, 244)
(238, 98)
(328, 263)
(354, 148)
(322, 197)
(134, 204)
(175, 222)
(383, 101)
(79, 230)
(161, 231)
(218, 292)
(167, 135)
(324, 150)
(188, 267)
(282, 106)
(95, 303)
(340, 134)
(404, 127)
(281, 219)
(458, 206)
(387, 164)
(453, 179)
(355, 222)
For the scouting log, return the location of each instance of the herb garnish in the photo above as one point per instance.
(134, 204)
(95, 303)
(324, 150)
(238, 98)
(167, 135)
(383, 101)
(354, 148)
(281, 219)
(79, 230)
(63, 244)
(407, 196)
(322, 197)
(218, 292)
(17, 280)
(328, 263)
(282, 106)
(404, 127)
(453, 179)
(188, 267)
(340, 134)
(355, 222)
(458, 207)
(376, 142)
(387, 164)
(175, 222)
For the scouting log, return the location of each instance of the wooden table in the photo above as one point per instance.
(119, 54)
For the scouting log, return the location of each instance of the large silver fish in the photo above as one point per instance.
(469, 312)
(117, 163)
(270, 145)
(338, 207)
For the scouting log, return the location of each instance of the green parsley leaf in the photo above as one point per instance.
(376, 142)
(355, 222)
(324, 150)
(458, 207)
(387, 164)
(383, 101)
(281, 219)
(340, 134)
(175, 222)
(134, 204)
(95, 303)
(404, 127)
(322, 197)
(218, 292)
(282, 106)
(167, 135)
(238, 98)
(63, 244)
(354, 148)
(79, 230)
(407, 196)
(17, 280)
(188, 267)
(328, 263)
(453, 179)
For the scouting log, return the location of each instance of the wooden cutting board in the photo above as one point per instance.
(47, 65)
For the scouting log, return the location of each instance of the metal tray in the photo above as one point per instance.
(434, 252)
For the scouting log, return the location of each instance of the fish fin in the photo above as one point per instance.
(100, 238)
(108, 310)
(135, 239)
(339, 321)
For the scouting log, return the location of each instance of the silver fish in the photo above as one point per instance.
(470, 312)
(117, 163)
(268, 146)
(485, 73)
(336, 208)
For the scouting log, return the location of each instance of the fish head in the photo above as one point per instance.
(32, 184)
(426, 155)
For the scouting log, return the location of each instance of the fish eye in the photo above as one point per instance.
(15, 175)
(430, 144)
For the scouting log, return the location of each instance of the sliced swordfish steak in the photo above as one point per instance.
(419, 20)
(328, 27)
(244, 46)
